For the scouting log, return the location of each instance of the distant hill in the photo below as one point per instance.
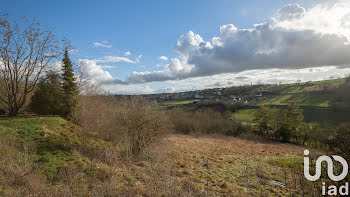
(327, 101)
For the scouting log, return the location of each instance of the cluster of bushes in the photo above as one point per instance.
(289, 126)
(286, 126)
(205, 121)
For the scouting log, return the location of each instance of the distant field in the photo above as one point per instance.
(342, 80)
(297, 89)
(312, 100)
(244, 115)
(317, 100)
(306, 94)
(278, 100)
(172, 104)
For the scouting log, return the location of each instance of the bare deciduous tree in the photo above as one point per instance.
(26, 50)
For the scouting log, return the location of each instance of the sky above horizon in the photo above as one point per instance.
(138, 47)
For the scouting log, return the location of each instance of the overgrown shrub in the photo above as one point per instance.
(132, 124)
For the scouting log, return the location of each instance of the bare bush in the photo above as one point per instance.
(133, 124)
(140, 124)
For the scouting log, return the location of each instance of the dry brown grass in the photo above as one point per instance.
(182, 165)
(232, 145)
(230, 166)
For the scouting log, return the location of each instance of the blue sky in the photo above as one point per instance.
(137, 33)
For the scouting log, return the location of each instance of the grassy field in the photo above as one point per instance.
(173, 104)
(317, 100)
(307, 94)
(244, 115)
(53, 154)
(296, 89)
(341, 80)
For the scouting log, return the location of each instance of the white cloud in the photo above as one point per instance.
(74, 51)
(127, 53)
(107, 66)
(164, 58)
(115, 59)
(294, 39)
(324, 18)
(103, 45)
(271, 76)
(93, 71)
(55, 66)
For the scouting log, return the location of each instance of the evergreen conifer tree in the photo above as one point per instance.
(70, 89)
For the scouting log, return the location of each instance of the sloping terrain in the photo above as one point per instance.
(39, 157)
(48, 156)
(316, 94)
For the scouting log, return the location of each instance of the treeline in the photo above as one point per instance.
(289, 126)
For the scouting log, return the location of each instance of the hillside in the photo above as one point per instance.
(326, 102)
(48, 156)
(315, 94)
(39, 156)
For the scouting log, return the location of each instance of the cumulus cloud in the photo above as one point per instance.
(103, 45)
(164, 58)
(295, 38)
(93, 71)
(127, 53)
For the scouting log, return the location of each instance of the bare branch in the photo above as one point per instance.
(25, 52)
